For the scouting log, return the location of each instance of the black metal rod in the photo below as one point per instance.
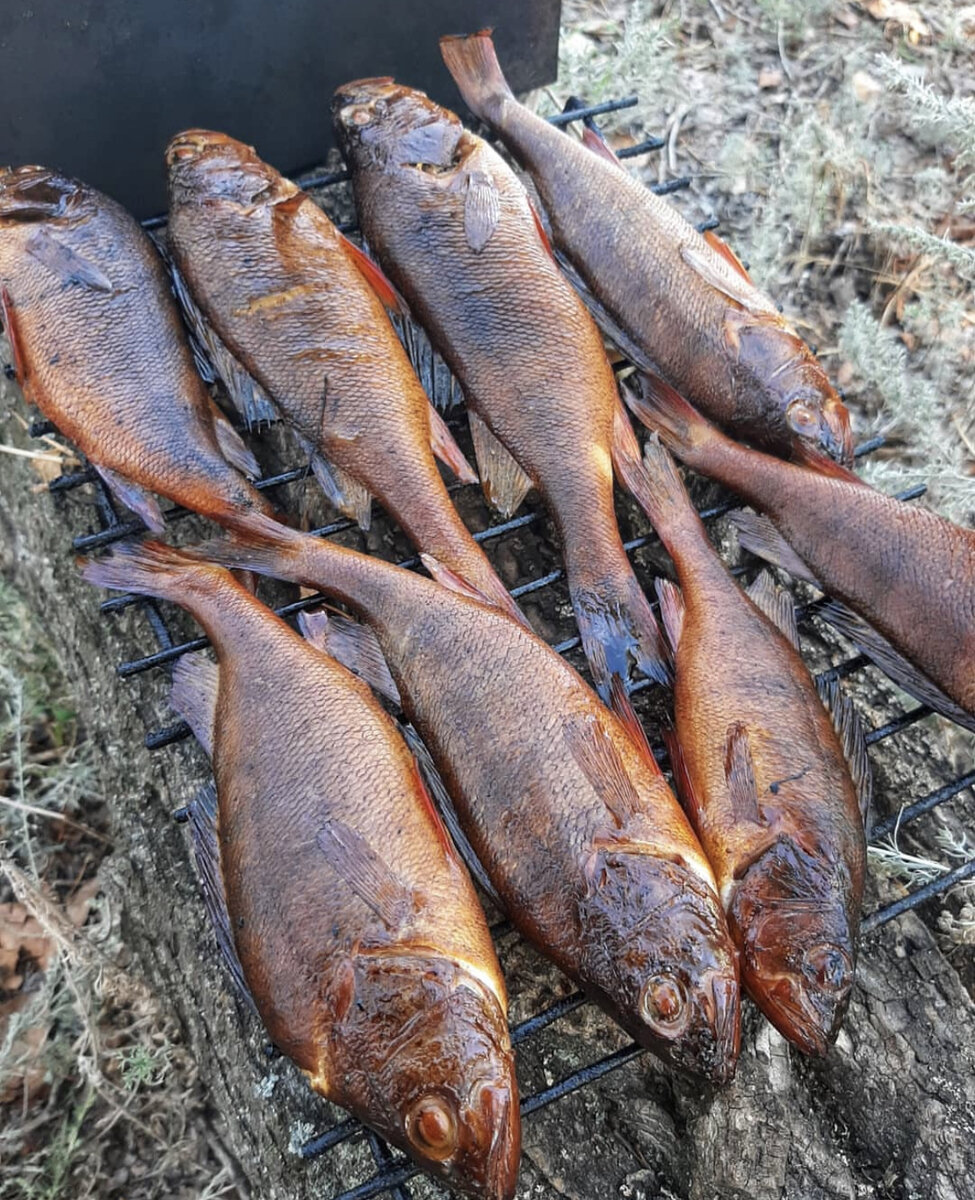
(594, 110)
(671, 185)
(910, 812)
(935, 888)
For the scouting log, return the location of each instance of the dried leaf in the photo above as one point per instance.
(770, 77)
(905, 15)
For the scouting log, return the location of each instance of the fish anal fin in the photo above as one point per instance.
(622, 706)
(719, 274)
(740, 775)
(13, 337)
(757, 534)
(775, 603)
(446, 449)
(504, 482)
(671, 610)
(726, 252)
(352, 644)
(343, 491)
(592, 141)
(903, 672)
(599, 760)
(375, 277)
(135, 497)
(206, 851)
(365, 871)
(233, 448)
(482, 209)
(65, 264)
(196, 680)
(849, 730)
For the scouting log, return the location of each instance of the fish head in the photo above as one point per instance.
(33, 193)
(379, 123)
(427, 1062)
(658, 956)
(820, 421)
(797, 927)
(206, 165)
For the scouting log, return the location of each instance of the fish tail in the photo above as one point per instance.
(147, 568)
(262, 545)
(664, 411)
(472, 61)
(657, 487)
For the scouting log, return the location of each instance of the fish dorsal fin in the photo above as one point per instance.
(740, 775)
(849, 730)
(374, 276)
(758, 534)
(203, 828)
(343, 491)
(541, 230)
(13, 337)
(354, 645)
(776, 603)
(671, 610)
(592, 141)
(446, 449)
(505, 484)
(453, 581)
(65, 264)
(196, 680)
(682, 777)
(876, 647)
(716, 271)
(599, 760)
(482, 209)
(366, 872)
(622, 706)
(134, 496)
(726, 253)
(232, 446)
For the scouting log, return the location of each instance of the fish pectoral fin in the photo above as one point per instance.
(597, 144)
(287, 206)
(671, 610)
(757, 534)
(893, 664)
(135, 497)
(352, 644)
(13, 337)
(726, 253)
(739, 773)
(599, 760)
(206, 851)
(369, 876)
(715, 270)
(849, 730)
(65, 264)
(482, 209)
(758, 849)
(196, 679)
(775, 603)
(504, 482)
(343, 491)
(686, 792)
(373, 274)
(233, 448)
(446, 449)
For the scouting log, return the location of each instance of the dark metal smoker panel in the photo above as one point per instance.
(96, 88)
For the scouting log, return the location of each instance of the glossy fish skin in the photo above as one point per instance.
(693, 316)
(378, 978)
(100, 349)
(280, 286)
(453, 229)
(907, 571)
(765, 782)
(595, 864)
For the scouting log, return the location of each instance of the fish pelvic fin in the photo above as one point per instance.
(622, 706)
(233, 448)
(196, 679)
(504, 482)
(758, 534)
(671, 610)
(135, 497)
(684, 787)
(598, 145)
(374, 276)
(726, 253)
(354, 645)
(343, 491)
(849, 729)
(446, 449)
(472, 61)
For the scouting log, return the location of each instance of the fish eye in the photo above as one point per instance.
(830, 967)
(802, 418)
(431, 1126)
(356, 114)
(663, 1004)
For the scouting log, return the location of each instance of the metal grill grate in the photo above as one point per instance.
(393, 1172)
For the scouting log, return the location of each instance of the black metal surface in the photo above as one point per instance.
(392, 1171)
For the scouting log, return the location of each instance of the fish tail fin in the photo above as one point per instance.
(664, 411)
(472, 61)
(657, 487)
(147, 568)
(261, 545)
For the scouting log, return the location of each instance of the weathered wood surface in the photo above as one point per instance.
(890, 1112)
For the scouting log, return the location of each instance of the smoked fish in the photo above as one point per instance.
(561, 800)
(344, 910)
(99, 347)
(453, 229)
(301, 309)
(902, 577)
(772, 785)
(676, 302)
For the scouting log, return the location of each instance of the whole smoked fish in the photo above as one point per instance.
(99, 347)
(453, 229)
(562, 802)
(337, 895)
(302, 311)
(676, 302)
(776, 793)
(907, 574)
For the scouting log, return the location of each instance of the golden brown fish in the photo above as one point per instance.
(301, 309)
(453, 229)
(679, 303)
(334, 887)
(763, 773)
(592, 856)
(99, 347)
(908, 573)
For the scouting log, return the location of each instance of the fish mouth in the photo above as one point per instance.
(499, 1112)
(193, 144)
(808, 1012)
(35, 193)
(822, 429)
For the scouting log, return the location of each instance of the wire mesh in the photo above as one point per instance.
(393, 1172)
